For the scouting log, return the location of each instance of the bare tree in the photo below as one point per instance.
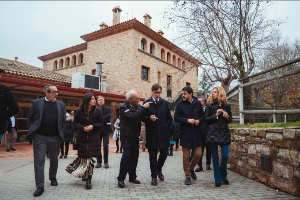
(227, 36)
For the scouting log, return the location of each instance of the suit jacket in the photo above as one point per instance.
(35, 117)
(157, 132)
(7, 100)
(106, 112)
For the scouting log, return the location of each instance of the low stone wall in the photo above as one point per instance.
(282, 146)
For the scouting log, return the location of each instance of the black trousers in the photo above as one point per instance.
(129, 158)
(105, 138)
(118, 146)
(62, 144)
(177, 143)
(156, 165)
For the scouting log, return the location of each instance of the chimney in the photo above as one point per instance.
(116, 15)
(16, 58)
(160, 32)
(147, 20)
(103, 26)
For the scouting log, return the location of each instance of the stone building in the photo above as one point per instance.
(134, 57)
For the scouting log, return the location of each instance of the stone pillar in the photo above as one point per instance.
(116, 15)
(147, 20)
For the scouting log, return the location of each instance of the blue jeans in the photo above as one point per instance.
(220, 171)
(171, 148)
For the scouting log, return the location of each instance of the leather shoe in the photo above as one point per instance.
(98, 165)
(135, 181)
(199, 169)
(218, 184)
(188, 181)
(154, 182)
(208, 167)
(61, 156)
(161, 176)
(193, 175)
(39, 191)
(65, 156)
(13, 149)
(54, 182)
(121, 184)
(226, 182)
(106, 166)
(8, 150)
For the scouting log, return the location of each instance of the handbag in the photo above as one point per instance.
(75, 142)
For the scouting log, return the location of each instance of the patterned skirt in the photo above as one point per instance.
(81, 167)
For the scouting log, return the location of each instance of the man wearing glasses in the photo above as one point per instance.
(158, 121)
(46, 122)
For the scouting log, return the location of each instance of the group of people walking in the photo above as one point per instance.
(47, 127)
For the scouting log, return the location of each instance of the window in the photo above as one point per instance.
(169, 86)
(162, 54)
(55, 65)
(81, 58)
(188, 84)
(183, 64)
(67, 62)
(61, 64)
(174, 60)
(168, 57)
(152, 49)
(94, 72)
(145, 73)
(159, 78)
(144, 44)
(74, 60)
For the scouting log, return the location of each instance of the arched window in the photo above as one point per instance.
(74, 60)
(55, 65)
(144, 44)
(61, 64)
(81, 58)
(162, 54)
(179, 62)
(152, 49)
(174, 60)
(168, 57)
(67, 62)
(183, 64)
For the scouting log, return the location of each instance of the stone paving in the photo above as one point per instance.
(17, 182)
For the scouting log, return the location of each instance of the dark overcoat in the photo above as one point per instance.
(88, 142)
(190, 134)
(217, 130)
(158, 131)
(106, 112)
(69, 131)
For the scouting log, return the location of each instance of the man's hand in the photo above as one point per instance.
(191, 121)
(219, 111)
(225, 114)
(197, 122)
(88, 128)
(6, 132)
(153, 118)
(118, 128)
(146, 105)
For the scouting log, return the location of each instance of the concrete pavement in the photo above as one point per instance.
(17, 182)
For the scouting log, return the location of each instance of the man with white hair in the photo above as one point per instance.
(130, 128)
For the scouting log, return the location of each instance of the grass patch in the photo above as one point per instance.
(266, 125)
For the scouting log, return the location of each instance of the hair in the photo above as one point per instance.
(203, 99)
(222, 99)
(155, 87)
(86, 100)
(129, 94)
(47, 87)
(101, 97)
(68, 115)
(188, 89)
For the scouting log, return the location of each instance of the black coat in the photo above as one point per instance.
(157, 132)
(7, 100)
(106, 112)
(176, 130)
(190, 134)
(88, 142)
(203, 125)
(130, 121)
(68, 134)
(217, 130)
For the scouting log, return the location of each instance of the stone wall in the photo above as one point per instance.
(283, 147)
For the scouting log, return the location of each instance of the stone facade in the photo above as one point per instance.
(283, 147)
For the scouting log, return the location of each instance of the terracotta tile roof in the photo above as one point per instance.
(23, 69)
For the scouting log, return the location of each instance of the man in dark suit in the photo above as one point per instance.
(104, 132)
(8, 106)
(46, 125)
(130, 128)
(158, 122)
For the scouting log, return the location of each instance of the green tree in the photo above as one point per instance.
(204, 85)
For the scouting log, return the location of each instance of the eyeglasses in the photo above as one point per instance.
(157, 92)
(53, 92)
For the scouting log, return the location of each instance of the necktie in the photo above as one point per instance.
(156, 102)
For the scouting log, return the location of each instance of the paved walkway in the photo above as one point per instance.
(17, 182)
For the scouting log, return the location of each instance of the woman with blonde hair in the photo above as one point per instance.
(218, 115)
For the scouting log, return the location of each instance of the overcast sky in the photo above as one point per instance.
(35, 28)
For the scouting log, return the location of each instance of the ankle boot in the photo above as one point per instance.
(89, 183)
